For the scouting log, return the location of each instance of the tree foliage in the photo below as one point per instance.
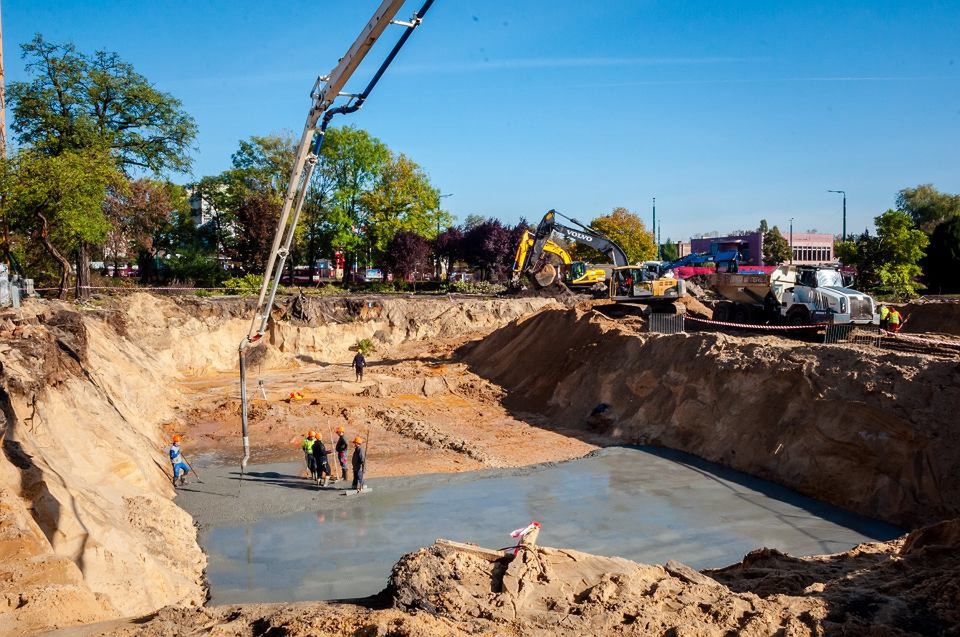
(407, 254)
(927, 206)
(776, 249)
(136, 214)
(942, 263)
(627, 230)
(58, 201)
(668, 250)
(901, 246)
(75, 102)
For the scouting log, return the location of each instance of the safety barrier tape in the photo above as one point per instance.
(130, 289)
(749, 326)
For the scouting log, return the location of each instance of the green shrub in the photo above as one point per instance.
(477, 287)
(365, 346)
(244, 285)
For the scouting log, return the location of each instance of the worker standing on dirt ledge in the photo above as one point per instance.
(179, 464)
(359, 362)
(359, 463)
(342, 452)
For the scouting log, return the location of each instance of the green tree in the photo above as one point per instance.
(263, 164)
(901, 248)
(58, 201)
(776, 249)
(76, 102)
(668, 250)
(927, 206)
(136, 214)
(83, 104)
(942, 263)
(354, 159)
(627, 230)
(402, 199)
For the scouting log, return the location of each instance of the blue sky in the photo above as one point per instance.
(726, 112)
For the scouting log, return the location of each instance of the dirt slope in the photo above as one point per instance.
(905, 587)
(873, 432)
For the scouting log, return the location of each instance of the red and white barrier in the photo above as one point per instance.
(750, 326)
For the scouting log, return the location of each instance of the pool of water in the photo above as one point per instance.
(643, 504)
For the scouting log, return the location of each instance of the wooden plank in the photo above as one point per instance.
(487, 554)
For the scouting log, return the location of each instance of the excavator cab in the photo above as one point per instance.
(639, 284)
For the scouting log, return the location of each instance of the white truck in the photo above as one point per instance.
(792, 294)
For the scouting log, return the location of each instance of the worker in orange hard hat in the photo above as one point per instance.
(359, 463)
(342, 452)
(307, 447)
(179, 464)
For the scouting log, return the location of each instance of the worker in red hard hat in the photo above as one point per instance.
(179, 464)
(359, 463)
(342, 452)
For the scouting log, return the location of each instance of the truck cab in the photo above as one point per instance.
(818, 294)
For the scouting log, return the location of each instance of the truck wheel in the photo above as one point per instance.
(741, 314)
(721, 312)
(798, 315)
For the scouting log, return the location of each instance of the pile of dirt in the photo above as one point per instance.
(899, 588)
(871, 431)
(937, 317)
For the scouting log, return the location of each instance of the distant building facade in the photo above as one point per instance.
(809, 248)
(812, 248)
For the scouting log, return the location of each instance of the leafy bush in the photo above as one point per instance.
(365, 346)
(203, 293)
(194, 266)
(244, 285)
(477, 287)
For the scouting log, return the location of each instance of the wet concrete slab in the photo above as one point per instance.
(644, 504)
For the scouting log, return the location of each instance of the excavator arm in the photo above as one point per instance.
(326, 90)
(550, 231)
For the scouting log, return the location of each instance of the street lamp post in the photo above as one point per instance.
(653, 228)
(844, 193)
(791, 239)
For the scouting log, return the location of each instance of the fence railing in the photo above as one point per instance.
(666, 324)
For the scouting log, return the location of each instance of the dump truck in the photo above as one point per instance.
(791, 294)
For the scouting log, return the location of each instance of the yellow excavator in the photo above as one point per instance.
(541, 252)
(582, 275)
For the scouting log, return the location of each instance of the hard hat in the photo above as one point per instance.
(358, 440)
(312, 434)
(340, 429)
(177, 437)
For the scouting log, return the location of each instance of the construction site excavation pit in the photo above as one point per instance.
(645, 504)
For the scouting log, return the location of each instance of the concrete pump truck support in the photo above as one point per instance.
(325, 91)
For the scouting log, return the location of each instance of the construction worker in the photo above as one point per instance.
(179, 464)
(894, 320)
(359, 463)
(307, 446)
(342, 452)
(359, 362)
(320, 461)
(884, 317)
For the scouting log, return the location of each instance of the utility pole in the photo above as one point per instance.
(843, 192)
(653, 228)
(659, 238)
(791, 239)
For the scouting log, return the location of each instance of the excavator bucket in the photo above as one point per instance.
(546, 276)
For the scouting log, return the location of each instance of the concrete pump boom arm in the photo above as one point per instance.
(325, 91)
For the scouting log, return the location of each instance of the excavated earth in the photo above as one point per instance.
(89, 531)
